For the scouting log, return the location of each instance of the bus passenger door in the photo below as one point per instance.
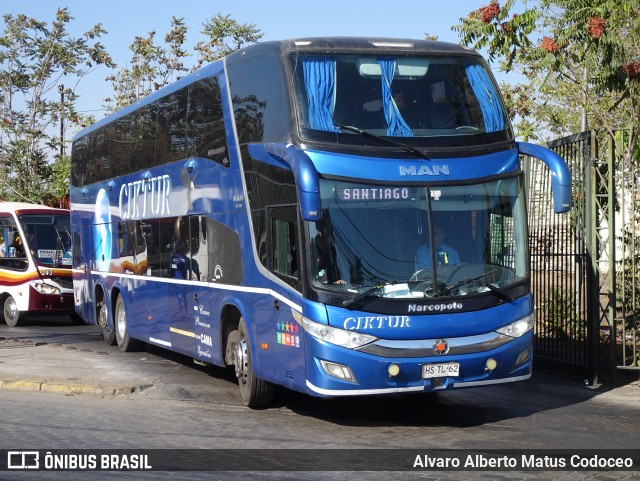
(284, 262)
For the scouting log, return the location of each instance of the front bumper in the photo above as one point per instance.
(371, 373)
(39, 302)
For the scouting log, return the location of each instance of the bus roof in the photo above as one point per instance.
(356, 44)
(23, 207)
(283, 47)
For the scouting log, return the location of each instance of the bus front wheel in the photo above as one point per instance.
(255, 392)
(12, 316)
(125, 342)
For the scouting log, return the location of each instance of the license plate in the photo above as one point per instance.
(445, 369)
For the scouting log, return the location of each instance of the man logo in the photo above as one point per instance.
(424, 170)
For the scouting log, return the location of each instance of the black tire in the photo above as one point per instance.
(108, 336)
(125, 342)
(12, 316)
(254, 391)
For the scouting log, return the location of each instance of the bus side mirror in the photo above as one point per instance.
(305, 174)
(560, 174)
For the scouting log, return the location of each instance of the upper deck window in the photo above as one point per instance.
(428, 101)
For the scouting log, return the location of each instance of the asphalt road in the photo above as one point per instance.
(61, 387)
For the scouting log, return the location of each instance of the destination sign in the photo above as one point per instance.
(373, 193)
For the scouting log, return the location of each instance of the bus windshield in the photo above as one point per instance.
(392, 241)
(48, 238)
(427, 101)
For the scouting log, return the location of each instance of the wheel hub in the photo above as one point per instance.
(240, 363)
(102, 317)
(12, 309)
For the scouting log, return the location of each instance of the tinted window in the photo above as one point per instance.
(284, 251)
(186, 123)
(206, 122)
(143, 130)
(259, 100)
(224, 255)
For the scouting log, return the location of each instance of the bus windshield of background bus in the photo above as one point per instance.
(443, 101)
(48, 238)
(391, 241)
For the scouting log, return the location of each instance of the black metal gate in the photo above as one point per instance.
(586, 264)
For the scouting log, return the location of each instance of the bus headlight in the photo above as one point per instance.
(44, 288)
(518, 328)
(339, 337)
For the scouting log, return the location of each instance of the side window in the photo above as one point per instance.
(171, 247)
(127, 246)
(76, 249)
(143, 141)
(206, 122)
(79, 162)
(12, 253)
(159, 239)
(502, 248)
(224, 256)
(284, 259)
(266, 185)
(260, 103)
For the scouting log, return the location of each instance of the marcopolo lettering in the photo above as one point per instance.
(145, 198)
(453, 306)
(376, 322)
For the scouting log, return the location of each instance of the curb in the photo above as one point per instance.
(65, 388)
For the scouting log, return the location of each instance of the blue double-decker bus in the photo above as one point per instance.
(338, 216)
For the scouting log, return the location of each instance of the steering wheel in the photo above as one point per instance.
(429, 288)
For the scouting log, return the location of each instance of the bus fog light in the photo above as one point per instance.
(491, 364)
(393, 370)
(338, 370)
(522, 358)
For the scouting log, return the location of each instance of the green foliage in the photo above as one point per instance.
(224, 35)
(35, 59)
(579, 58)
(559, 316)
(154, 66)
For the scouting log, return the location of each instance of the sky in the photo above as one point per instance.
(277, 19)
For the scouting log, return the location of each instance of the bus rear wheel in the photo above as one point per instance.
(12, 316)
(108, 336)
(255, 392)
(125, 342)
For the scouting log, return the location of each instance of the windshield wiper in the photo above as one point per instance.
(480, 280)
(384, 140)
(370, 291)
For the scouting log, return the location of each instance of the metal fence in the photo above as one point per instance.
(586, 264)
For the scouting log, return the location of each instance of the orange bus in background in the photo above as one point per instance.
(35, 261)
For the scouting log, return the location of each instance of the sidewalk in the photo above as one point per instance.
(74, 360)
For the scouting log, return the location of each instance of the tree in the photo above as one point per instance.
(580, 59)
(35, 60)
(154, 66)
(224, 35)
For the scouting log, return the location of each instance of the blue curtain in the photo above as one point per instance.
(487, 97)
(319, 82)
(396, 126)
